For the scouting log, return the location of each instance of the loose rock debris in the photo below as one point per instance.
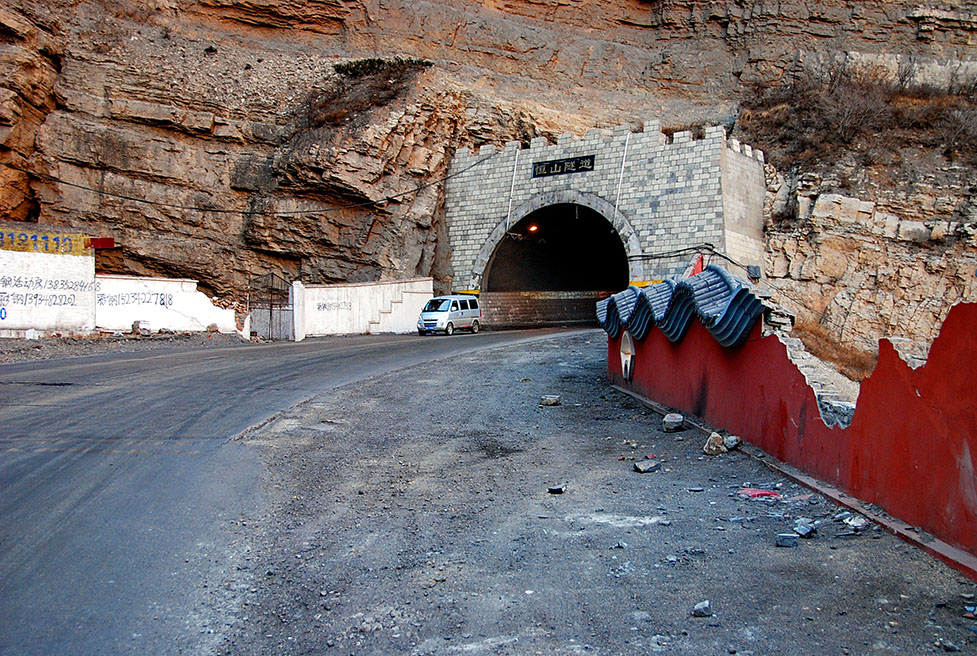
(715, 445)
(647, 466)
(786, 539)
(551, 399)
(673, 422)
(806, 528)
(640, 546)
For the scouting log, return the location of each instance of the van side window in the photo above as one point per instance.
(464, 305)
(454, 306)
(474, 304)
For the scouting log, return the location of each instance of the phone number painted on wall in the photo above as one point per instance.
(134, 298)
(36, 300)
(49, 284)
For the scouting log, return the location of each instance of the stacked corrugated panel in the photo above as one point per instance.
(725, 304)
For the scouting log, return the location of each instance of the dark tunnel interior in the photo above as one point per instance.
(562, 247)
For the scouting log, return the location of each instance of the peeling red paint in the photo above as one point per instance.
(911, 447)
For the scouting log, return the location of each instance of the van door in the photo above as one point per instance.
(455, 315)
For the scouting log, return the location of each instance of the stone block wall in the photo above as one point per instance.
(742, 206)
(661, 194)
(525, 309)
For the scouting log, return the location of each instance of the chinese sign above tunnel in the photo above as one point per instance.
(563, 166)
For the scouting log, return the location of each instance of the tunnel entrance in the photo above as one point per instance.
(552, 267)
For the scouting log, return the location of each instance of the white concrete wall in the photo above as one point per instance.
(380, 307)
(47, 282)
(171, 303)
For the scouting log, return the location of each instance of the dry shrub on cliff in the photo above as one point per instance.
(824, 113)
(852, 362)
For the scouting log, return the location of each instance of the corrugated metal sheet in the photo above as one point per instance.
(725, 304)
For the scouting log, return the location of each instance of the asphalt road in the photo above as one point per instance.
(121, 492)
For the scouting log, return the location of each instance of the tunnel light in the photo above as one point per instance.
(533, 227)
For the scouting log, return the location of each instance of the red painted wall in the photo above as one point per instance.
(912, 444)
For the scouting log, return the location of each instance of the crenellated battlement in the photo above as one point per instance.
(662, 193)
(649, 134)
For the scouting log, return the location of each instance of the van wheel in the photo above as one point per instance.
(474, 327)
(421, 333)
(449, 329)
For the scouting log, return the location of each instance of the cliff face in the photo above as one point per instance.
(257, 154)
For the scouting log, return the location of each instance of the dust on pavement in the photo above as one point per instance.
(411, 514)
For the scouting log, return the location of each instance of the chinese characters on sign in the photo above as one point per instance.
(332, 306)
(563, 166)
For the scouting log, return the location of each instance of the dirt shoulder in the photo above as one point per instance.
(48, 348)
(411, 514)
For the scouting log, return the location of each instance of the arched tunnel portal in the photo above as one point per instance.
(551, 267)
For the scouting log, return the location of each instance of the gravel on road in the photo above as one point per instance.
(445, 509)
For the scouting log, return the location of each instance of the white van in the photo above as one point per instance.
(449, 313)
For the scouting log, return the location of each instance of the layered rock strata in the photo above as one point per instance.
(256, 155)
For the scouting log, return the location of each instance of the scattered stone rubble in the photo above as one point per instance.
(714, 445)
(835, 393)
(672, 422)
(718, 444)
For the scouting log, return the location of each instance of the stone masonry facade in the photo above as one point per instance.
(662, 194)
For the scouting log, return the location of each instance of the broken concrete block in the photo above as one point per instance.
(805, 528)
(141, 328)
(857, 523)
(731, 442)
(786, 539)
(672, 422)
(702, 609)
(715, 445)
(551, 399)
(646, 466)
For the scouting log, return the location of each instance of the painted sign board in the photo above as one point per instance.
(47, 281)
(563, 166)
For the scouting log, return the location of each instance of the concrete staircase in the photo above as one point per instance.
(398, 307)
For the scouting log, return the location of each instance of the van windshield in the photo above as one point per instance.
(436, 305)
